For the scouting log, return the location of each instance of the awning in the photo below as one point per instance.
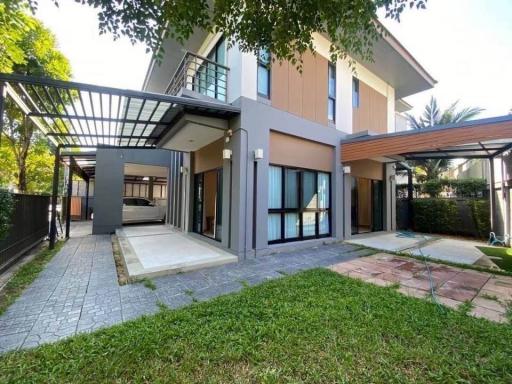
(77, 115)
(484, 138)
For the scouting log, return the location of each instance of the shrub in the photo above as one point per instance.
(6, 209)
(432, 187)
(481, 212)
(435, 216)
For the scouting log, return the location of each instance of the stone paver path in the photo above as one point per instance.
(78, 290)
(490, 295)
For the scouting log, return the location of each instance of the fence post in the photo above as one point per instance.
(87, 200)
(55, 192)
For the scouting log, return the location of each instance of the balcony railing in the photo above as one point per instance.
(202, 75)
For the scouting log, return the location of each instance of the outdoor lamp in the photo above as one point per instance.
(258, 154)
(226, 154)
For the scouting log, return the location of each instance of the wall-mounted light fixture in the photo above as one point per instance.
(226, 154)
(258, 154)
(346, 169)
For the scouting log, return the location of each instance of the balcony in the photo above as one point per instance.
(201, 75)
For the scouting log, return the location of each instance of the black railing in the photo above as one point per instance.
(202, 75)
(29, 225)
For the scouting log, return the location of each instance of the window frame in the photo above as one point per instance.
(200, 81)
(266, 66)
(356, 94)
(331, 98)
(300, 210)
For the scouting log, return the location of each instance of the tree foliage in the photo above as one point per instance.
(285, 27)
(20, 140)
(6, 208)
(432, 116)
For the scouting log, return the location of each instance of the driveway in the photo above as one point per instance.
(78, 291)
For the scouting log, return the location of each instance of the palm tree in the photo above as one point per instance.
(433, 116)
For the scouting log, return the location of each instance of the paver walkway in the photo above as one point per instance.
(490, 294)
(78, 290)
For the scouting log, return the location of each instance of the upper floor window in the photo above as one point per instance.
(331, 93)
(211, 75)
(264, 73)
(355, 92)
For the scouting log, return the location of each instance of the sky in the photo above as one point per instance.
(466, 45)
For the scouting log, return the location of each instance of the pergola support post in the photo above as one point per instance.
(410, 208)
(69, 193)
(87, 200)
(492, 194)
(55, 192)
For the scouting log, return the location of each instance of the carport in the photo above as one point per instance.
(489, 139)
(80, 120)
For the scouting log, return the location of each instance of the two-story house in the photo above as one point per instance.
(273, 175)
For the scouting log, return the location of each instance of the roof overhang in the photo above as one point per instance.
(484, 138)
(394, 64)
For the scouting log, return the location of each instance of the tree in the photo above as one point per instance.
(40, 58)
(433, 116)
(285, 27)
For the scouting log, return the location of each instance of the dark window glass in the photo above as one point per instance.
(331, 93)
(264, 73)
(306, 209)
(355, 92)
(129, 202)
(143, 203)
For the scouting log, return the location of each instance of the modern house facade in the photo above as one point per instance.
(273, 176)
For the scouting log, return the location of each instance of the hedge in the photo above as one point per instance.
(460, 188)
(435, 216)
(481, 212)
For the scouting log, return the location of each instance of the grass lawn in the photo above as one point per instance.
(504, 254)
(314, 327)
(23, 277)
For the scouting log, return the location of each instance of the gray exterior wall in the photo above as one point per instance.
(245, 181)
(109, 181)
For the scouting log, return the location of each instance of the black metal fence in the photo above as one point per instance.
(29, 226)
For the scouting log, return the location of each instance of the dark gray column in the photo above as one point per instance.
(492, 194)
(68, 195)
(410, 208)
(55, 191)
(87, 200)
(151, 184)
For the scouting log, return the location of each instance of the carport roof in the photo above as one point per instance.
(85, 116)
(483, 138)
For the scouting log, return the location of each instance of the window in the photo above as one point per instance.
(355, 92)
(298, 204)
(331, 94)
(211, 78)
(264, 73)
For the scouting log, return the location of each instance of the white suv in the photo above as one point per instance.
(138, 209)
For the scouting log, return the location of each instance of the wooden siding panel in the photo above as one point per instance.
(372, 112)
(423, 141)
(279, 85)
(296, 152)
(294, 90)
(309, 87)
(321, 89)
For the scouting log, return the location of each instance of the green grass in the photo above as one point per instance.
(147, 282)
(314, 327)
(504, 254)
(24, 276)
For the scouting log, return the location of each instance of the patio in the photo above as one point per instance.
(453, 250)
(155, 250)
(489, 295)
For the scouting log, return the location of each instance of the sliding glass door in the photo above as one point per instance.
(367, 205)
(298, 203)
(208, 204)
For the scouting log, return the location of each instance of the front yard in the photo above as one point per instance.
(316, 326)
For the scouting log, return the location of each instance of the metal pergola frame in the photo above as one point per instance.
(76, 117)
